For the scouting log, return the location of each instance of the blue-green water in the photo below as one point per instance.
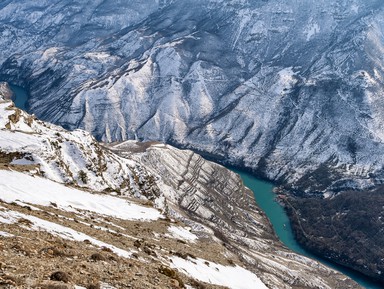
(265, 198)
(21, 96)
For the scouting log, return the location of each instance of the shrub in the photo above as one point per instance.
(83, 176)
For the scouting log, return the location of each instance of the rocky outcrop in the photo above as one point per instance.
(6, 91)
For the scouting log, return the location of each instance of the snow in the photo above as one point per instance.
(5, 234)
(312, 30)
(7, 219)
(50, 53)
(10, 217)
(232, 277)
(98, 56)
(145, 89)
(8, 141)
(106, 286)
(22, 162)
(355, 8)
(5, 113)
(182, 233)
(35, 190)
(60, 155)
(286, 80)
(159, 145)
(22, 204)
(102, 286)
(327, 195)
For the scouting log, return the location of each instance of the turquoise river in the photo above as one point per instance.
(21, 96)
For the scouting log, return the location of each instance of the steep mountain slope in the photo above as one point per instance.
(290, 90)
(198, 226)
(348, 229)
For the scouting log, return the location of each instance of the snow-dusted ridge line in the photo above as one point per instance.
(39, 191)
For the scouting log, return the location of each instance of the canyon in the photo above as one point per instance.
(289, 91)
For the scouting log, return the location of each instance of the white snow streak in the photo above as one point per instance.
(182, 233)
(232, 277)
(17, 186)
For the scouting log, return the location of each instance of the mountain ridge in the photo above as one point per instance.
(228, 79)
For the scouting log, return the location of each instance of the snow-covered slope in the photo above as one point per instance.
(36, 190)
(292, 90)
(67, 157)
(185, 215)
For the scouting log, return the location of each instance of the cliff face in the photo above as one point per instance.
(290, 90)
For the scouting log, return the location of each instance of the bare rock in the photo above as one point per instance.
(55, 285)
(60, 276)
(6, 91)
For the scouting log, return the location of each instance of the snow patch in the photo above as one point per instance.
(6, 234)
(311, 30)
(50, 53)
(39, 191)
(99, 56)
(102, 286)
(327, 195)
(286, 81)
(22, 162)
(6, 218)
(232, 277)
(355, 8)
(182, 233)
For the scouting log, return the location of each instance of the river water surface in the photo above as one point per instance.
(265, 199)
(21, 96)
